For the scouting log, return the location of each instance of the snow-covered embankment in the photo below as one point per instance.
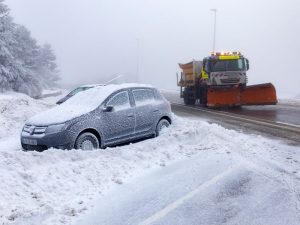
(55, 186)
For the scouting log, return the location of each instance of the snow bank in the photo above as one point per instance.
(15, 109)
(51, 93)
(290, 102)
(55, 186)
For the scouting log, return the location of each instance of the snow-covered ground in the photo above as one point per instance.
(52, 92)
(57, 187)
(290, 102)
(289, 99)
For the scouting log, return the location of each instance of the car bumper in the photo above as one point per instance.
(44, 141)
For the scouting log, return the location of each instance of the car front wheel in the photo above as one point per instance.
(87, 141)
(163, 123)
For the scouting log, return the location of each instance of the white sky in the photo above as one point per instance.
(96, 39)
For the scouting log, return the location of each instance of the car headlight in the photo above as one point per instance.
(55, 128)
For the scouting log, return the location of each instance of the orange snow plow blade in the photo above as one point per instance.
(260, 94)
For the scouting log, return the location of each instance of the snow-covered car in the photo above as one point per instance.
(99, 117)
(77, 90)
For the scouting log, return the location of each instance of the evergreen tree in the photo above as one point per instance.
(6, 41)
(47, 66)
(25, 66)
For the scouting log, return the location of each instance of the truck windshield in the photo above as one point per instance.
(227, 65)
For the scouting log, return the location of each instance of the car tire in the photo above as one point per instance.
(163, 123)
(87, 141)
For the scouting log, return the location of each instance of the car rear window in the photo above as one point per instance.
(158, 95)
(143, 96)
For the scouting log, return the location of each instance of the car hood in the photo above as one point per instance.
(58, 114)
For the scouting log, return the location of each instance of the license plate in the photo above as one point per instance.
(29, 141)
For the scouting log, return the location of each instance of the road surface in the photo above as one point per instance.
(215, 187)
(276, 122)
(283, 113)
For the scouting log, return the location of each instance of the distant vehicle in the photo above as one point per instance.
(77, 90)
(84, 88)
(99, 117)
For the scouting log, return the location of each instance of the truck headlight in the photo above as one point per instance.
(55, 128)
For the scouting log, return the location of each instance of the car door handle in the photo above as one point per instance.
(130, 115)
(155, 110)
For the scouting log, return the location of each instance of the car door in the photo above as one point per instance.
(145, 111)
(118, 124)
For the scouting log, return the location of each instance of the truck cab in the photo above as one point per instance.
(225, 69)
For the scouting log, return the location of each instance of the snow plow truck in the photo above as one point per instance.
(221, 80)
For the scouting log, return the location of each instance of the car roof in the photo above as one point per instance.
(122, 86)
(117, 87)
(92, 85)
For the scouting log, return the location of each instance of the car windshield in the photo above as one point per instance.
(227, 65)
(79, 89)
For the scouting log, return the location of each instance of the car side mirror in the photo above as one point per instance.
(108, 108)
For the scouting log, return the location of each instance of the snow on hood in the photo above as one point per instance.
(81, 103)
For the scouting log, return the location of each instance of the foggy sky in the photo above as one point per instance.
(95, 40)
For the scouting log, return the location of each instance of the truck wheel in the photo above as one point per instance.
(87, 141)
(203, 96)
(189, 101)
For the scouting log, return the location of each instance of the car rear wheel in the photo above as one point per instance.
(163, 123)
(87, 141)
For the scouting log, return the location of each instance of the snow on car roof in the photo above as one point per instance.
(92, 85)
(95, 96)
(81, 103)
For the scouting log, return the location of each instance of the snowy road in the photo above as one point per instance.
(268, 121)
(250, 125)
(214, 187)
(285, 111)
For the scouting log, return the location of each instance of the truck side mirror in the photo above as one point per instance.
(247, 64)
(205, 67)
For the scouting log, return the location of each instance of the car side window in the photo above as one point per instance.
(158, 96)
(119, 101)
(143, 96)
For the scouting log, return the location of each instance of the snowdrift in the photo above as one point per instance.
(56, 186)
(15, 109)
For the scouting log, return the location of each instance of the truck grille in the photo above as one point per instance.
(230, 80)
(34, 129)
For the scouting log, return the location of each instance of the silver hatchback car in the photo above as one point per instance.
(99, 117)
